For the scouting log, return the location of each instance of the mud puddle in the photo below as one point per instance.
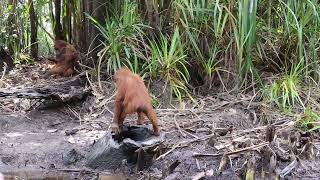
(40, 141)
(56, 175)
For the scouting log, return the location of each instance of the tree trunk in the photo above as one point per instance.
(99, 13)
(12, 25)
(97, 9)
(150, 12)
(88, 8)
(81, 26)
(74, 9)
(67, 20)
(34, 30)
(57, 27)
(166, 14)
(5, 58)
(6, 55)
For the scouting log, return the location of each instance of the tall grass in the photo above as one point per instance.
(249, 36)
(169, 61)
(296, 44)
(245, 34)
(121, 34)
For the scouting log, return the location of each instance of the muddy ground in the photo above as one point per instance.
(35, 140)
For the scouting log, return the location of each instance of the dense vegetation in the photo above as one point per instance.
(235, 44)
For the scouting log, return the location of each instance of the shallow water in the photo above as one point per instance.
(56, 175)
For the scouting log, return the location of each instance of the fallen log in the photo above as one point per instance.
(72, 89)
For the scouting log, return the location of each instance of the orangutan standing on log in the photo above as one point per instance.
(132, 96)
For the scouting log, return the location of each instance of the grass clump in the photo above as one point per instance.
(168, 61)
(122, 34)
(284, 92)
(309, 121)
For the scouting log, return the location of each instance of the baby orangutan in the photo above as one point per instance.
(132, 96)
(65, 61)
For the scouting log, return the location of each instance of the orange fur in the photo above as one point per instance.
(132, 96)
(65, 61)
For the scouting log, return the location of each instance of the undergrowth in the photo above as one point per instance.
(195, 43)
(284, 92)
(235, 40)
(309, 121)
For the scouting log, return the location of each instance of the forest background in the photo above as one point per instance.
(195, 47)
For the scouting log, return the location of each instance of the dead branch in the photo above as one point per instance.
(232, 152)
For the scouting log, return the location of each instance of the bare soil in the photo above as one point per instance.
(35, 141)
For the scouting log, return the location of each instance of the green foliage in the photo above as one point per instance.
(154, 100)
(242, 34)
(210, 66)
(121, 37)
(245, 34)
(203, 25)
(23, 58)
(199, 39)
(192, 16)
(285, 92)
(169, 61)
(15, 29)
(309, 121)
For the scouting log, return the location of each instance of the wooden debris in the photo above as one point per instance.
(168, 152)
(167, 170)
(69, 132)
(288, 168)
(270, 133)
(72, 89)
(268, 163)
(172, 176)
(222, 164)
(250, 170)
(307, 150)
(173, 166)
(207, 173)
(136, 144)
(232, 152)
